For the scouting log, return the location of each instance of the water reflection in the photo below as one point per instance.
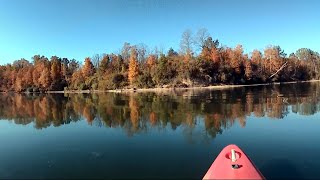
(138, 112)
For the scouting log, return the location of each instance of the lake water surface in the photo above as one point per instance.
(167, 135)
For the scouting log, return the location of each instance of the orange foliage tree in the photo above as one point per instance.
(133, 67)
(88, 68)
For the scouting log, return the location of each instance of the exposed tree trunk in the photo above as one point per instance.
(283, 66)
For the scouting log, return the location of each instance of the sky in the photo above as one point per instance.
(82, 28)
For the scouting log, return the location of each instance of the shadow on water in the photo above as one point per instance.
(280, 169)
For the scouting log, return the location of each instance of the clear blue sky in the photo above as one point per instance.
(80, 28)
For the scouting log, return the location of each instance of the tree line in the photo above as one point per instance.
(201, 61)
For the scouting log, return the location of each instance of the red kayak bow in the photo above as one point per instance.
(233, 163)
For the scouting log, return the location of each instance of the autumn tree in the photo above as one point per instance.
(117, 64)
(65, 68)
(248, 69)
(2, 78)
(41, 63)
(23, 79)
(291, 70)
(210, 50)
(236, 59)
(28, 79)
(257, 65)
(22, 71)
(298, 69)
(19, 84)
(151, 61)
(77, 80)
(88, 68)
(274, 57)
(104, 63)
(45, 79)
(311, 58)
(55, 73)
(225, 70)
(22, 63)
(133, 67)
(9, 75)
(88, 72)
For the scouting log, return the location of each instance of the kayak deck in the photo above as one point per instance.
(233, 163)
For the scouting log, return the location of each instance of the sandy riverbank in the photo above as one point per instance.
(175, 89)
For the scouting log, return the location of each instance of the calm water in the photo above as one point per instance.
(159, 135)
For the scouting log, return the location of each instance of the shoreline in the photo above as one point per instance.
(166, 89)
(218, 87)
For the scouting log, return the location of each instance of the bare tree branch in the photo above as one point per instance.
(283, 66)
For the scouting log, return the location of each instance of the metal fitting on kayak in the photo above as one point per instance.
(233, 155)
(235, 166)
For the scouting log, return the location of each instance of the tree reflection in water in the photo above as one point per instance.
(138, 112)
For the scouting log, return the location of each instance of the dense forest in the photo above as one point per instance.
(140, 112)
(201, 61)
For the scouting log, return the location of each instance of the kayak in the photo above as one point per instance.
(233, 163)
